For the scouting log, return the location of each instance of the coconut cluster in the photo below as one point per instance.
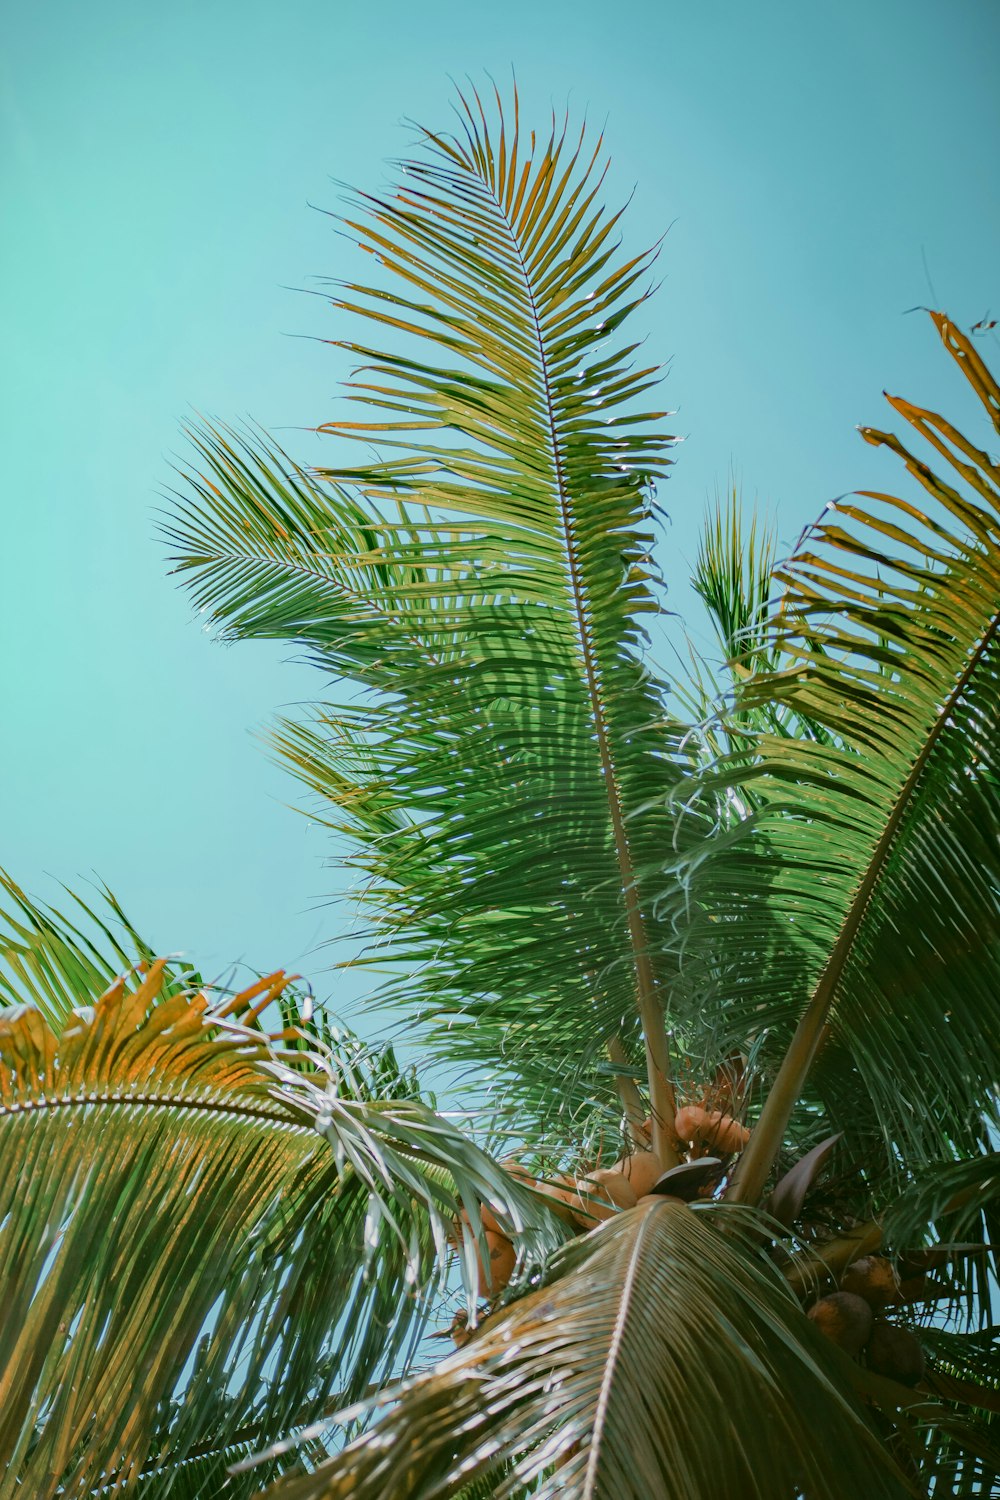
(850, 1319)
(583, 1201)
(586, 1201)
(697, 1127)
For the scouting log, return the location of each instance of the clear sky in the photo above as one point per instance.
(821, 168)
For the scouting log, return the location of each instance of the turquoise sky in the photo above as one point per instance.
(821, 170)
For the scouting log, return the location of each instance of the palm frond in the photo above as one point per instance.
(56, 965)
(956, 1204)
(959, 1198)
(485, 571)
(662, 1357)
(201, 1240)
(858, 904)
(732, 576)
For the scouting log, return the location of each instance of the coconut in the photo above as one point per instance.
(489, 1218)
(514, 1167)
(562, 1195)
(722, 1132)
(642, 1169)
(895, 1353)
(660, 1198)
(602, 1192)
(459, 1226)
(874, 1278)
(846, 1320)
(502, 1260)
(689, 1122)
(725, 1133)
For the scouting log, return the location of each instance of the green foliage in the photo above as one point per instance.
(485, 577)
(663, 1320)
(868, 870)
(215, 1240)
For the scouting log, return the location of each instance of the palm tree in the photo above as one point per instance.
(716, 971)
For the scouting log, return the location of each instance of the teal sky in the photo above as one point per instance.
(821, 170)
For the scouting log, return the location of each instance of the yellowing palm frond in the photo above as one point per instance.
(200, 1243)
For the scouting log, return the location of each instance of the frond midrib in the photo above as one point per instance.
(647, 1004)
(589, 1490)
(159, 1098)
(755, 1164)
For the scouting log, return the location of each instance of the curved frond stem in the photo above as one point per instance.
(757, 1160)
(663, 1105)
(628, 1093)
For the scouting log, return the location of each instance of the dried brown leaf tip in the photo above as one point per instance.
(142, 1033)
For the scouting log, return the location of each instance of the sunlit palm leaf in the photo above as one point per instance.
(733, 577)
(499, 618)
(870, 870)
(187, 1265)
(664, 1359)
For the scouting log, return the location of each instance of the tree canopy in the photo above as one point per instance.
(714, 963)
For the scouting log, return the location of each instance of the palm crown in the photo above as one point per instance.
(748, 953)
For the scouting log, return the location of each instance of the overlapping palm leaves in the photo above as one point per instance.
(869, 869)
(189, 1268)
(630, 1374)
(485, 574)
(512, 785)
(549, 882)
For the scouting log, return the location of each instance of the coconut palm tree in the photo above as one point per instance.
(715, 971)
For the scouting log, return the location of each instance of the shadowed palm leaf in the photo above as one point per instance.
(870, 869)
(655, 1325)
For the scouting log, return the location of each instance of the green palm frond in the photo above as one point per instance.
(484, 571)
(203, 1240)
(272, 552)
(56, 965)
(735, 578)
(655, 1325)
(957, 1204)
(859, 903)
(960, 1199)
(732, 576)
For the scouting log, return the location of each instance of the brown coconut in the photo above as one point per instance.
(562, 1194)
(496, 1271)
(726, 1134)
(846, 1320)
(462, 1224)
(643, 1169)
(494, 1276)
(695, 1123)
(689, 1122)
(895, 1353)
(874, 1278)
(602, 1193)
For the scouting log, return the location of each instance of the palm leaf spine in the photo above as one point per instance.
(753, 1169)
